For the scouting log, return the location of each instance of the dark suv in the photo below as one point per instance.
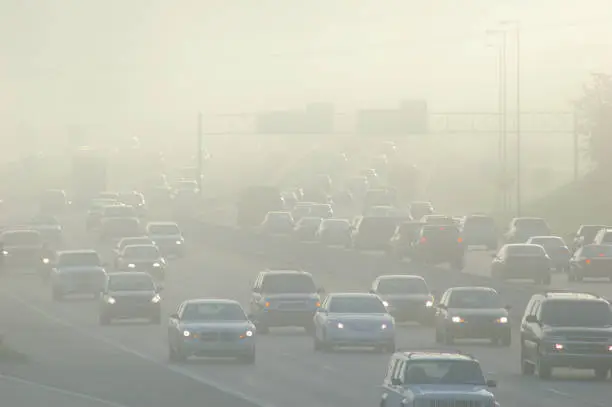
(439, 244)
(566, 329)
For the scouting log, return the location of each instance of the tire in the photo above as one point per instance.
(247, 359)
(506, 340)
(527, 369)
(544, 369)
(105, 320)
(449, 339)
(262, 329)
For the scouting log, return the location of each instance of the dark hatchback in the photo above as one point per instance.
(129, 295)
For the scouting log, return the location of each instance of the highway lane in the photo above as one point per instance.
(288, 372)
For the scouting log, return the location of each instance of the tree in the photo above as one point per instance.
(594, 120)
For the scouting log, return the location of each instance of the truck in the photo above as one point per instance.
(255, 202)
(89, 174)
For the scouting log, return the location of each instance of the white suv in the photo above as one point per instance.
(431, 379)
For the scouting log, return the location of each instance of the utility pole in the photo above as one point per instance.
(200, 147)
(576, 137)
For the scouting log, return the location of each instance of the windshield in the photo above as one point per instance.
(548, 241)
(336, 224)
(119, 211)
(21, 238)
(134, 242)
(607, 237)
(79, 259)
(444, 372)
(597, 251)
(525, 249)
(213, 312)
(589, 232)
(479, 222)
(310, 222)
(576, 313)
(141, 252)
(164, 230)
(288, 283)
(131, 283)
(474, 299)
(402, 286)
(531, 225)
(357, 305)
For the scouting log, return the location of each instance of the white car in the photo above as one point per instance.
(354, 319)
(209, 327)
(418, 379)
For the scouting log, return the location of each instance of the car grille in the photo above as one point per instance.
(480, 320)
(294, 305)
(363, 325)
(448, 403)
(218, 336)
(587, 348)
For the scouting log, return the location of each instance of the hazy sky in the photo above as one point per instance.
(84, 62)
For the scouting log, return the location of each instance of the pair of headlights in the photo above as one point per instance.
(155, 300)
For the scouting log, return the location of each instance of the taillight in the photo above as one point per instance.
(587, 261)
(459, 240)
(601, 254)
(423, 240)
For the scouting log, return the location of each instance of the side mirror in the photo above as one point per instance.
(174, 316)
(531, 319)
(396, 382)
(491, 383)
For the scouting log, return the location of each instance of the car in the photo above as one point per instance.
(143, 257)
(521, 229)
(278, 223)
(353, 319)
(407, 297)
(591, 261)
(290, 199)
(301, 210)
(358, 186)
(566, 329)
(438, 245)
(115, 229)
(371, 175)
(556, 249)
(134, 199)
(77, 272)
(438, 220)
(324, 211)
(401, 242)
(128, 295)
(479, 230)
(211, 327)
(373, 233)
(378, 197)
(49, 227)
(22, 248)
(436, 379)
(472, 313)
(126, 241)
(94, 213)
(284, 298)
(418, 209)
(522, 261)
(188, 185)
(333, 232)
(585, 235)
(306, 228)
(119, 211)
(168, 237)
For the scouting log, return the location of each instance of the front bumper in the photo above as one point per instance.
(467, 330)
(120, 310)
(196, 347)
(279, 318)
(403, 313)
(349, 337)
(578, 360)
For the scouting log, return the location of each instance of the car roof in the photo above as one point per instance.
(437, 356)
(286, 272)
(528, 218)
(77, 251)
(547, 237)
(121, 218)
(472, 289)
(125, 239)
(521, 244)
(400, 277)
(571, 296)
(17, 229)
(353, 295)
(164, 223)
(211, 301)
(140, 245)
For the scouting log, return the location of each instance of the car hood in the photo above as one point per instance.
(80, 269)
(478, 312)
(217, 325)
(442, 390)
(406, 297)
(133, 294)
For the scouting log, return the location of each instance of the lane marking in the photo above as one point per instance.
(120, 346)
(569, 396)
(58, 390)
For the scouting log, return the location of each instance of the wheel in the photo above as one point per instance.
(527, 368)
(457, 264)
(105, 320)
(602, 373)
(248, 359)
(544, 369)
(262, 329)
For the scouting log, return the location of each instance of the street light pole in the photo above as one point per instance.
(199, 153)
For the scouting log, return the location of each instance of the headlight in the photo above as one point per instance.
(131, 266)
(457, 320)
(429, 304)
(559, 346)
(156, 299)
(179, 242)
(111, 300)
(186, 334)
(340, 325)
(4, 252)
(385, 303)
(248, 334)
(156, 265)
(383, 326)
(502, 320)
(46, 261)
